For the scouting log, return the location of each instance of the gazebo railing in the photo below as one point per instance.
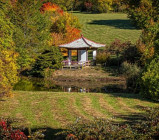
(81, 63)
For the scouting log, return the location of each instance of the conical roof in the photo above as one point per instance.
(81, 43)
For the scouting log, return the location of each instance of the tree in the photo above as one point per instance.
(64, 4)
(143, 12)
(145, 15)
(32, 30)
(150, 80)
(50, 58)
(8, 67)
(65, 27)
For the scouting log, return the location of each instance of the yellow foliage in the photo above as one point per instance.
(146, 52)
(8, 70)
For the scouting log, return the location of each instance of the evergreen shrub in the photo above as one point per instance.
(150, 80)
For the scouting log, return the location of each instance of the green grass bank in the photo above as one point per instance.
(105, 28)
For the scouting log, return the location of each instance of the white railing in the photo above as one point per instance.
(82, 63)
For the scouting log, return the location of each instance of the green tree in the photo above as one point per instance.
(150, 80)
(50, 58)
(32, 31)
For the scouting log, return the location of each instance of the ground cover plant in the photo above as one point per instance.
(105, 28)
(54, 111)
(99, 129)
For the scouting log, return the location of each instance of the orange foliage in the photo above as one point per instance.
(72, 33)
(57, 39)
(51, 7)
(12, 2)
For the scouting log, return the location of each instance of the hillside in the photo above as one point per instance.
(104, 28)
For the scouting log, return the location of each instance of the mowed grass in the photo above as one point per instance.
(57, 110)
(105, 28)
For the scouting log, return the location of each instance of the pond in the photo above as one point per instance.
(40, 84)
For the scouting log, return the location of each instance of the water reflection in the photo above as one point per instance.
(39, 84)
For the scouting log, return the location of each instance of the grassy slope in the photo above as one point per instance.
(104, 28)
(56, 110)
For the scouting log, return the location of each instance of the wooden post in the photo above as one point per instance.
(94, 56)
(77, 56)
(69, 57)
(86, 54)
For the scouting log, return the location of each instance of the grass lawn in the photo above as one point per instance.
(57, 110)
(104, 28)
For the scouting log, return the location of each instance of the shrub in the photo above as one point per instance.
(116, 49)
(88, 6)
(114, 61)
(102, 57)
(98, 129)
(48, 73)
(150, 80)
(131, 54)
(7, 132)
(148, 129)
(131, 72)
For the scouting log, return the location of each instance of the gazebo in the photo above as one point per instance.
(82, 45)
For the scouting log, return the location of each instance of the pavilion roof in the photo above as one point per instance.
(81, 43)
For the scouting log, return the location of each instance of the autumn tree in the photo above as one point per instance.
(65, 27)
(145, 15)
(8, 67)
(64, 4)
(143, 12)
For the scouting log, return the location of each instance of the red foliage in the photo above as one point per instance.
(3, 124)
(71, 137)
(88, 5)
(7, 132)
(51, 7)
(18, 135)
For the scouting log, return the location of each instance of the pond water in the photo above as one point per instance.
(40, 84)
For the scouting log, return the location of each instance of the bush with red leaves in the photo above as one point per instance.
(8, 133)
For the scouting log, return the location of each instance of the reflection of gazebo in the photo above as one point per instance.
(82, 45)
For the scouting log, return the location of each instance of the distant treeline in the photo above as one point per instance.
(98, 6)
